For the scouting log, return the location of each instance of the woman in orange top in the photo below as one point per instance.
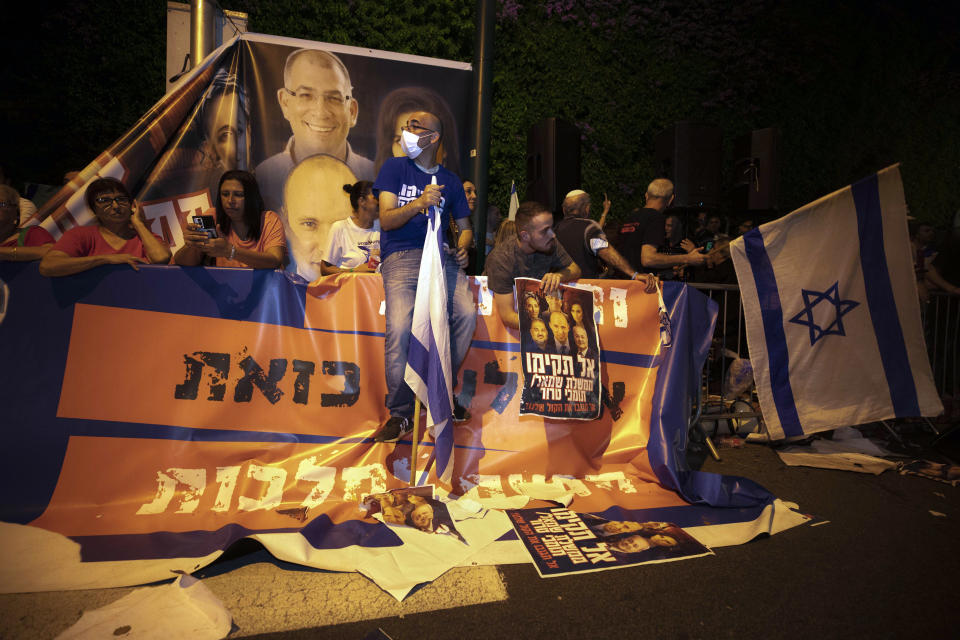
(247, 236)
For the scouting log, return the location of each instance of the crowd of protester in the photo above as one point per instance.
(245, 234)
(650, 244)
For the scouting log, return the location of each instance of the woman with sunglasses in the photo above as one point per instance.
(120, 235)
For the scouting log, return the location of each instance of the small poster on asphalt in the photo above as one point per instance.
(412, 507)
(560, 352)
(561, 541)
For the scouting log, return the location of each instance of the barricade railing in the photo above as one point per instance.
(941, 330)
(719, 402)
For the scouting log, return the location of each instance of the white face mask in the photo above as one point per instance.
(409, 143)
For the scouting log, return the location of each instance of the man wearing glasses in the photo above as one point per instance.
(406, 189)
(316, 99)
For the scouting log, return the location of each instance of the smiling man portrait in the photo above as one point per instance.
(316, 99)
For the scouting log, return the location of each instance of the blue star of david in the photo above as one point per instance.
(811, 299)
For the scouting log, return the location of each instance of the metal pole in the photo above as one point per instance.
(413, 447)
(201, 30)
(480, 110)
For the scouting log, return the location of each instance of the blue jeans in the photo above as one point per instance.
(400, 271)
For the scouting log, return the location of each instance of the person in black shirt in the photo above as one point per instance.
(643, 231)
(586, 243)
(674, 244)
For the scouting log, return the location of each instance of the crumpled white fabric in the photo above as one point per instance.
(185, 609)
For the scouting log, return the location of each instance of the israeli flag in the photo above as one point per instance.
(832, 315)
(514, 202)
(428, 358)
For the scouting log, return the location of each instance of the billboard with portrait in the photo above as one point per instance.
(305, 117)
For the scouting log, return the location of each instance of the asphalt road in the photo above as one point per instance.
(882, 566)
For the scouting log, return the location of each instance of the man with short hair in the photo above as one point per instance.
(407, 189)
(539, 338)
(535, 253)
(582, 340)
(316, 99)
(586, 243)
(560, 328)
(643, 231)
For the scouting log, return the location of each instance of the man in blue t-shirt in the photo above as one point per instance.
(406, 191)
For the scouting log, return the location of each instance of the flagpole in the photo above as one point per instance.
(413, 449)
(429, 343)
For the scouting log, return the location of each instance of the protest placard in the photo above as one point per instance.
(561, 352)
(561, 541)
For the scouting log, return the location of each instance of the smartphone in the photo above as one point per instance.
(207, 224)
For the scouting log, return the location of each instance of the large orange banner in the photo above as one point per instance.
(167, 412)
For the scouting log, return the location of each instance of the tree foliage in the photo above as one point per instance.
(854, 85)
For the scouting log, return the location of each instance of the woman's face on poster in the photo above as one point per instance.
(532, 307)
(398, 151)
(576, 312)
(222, 124)
(663, 541)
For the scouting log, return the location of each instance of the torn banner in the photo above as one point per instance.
(154, 417)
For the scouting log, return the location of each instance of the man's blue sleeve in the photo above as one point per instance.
(387, 179)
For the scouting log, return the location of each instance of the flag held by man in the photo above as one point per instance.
(428, 370)
(832, 314)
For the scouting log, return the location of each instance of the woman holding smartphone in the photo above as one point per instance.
(243, 233)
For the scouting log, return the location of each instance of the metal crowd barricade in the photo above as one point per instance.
(941, 330)
(714, 405)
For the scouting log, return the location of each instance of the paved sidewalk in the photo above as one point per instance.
(882, 566)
